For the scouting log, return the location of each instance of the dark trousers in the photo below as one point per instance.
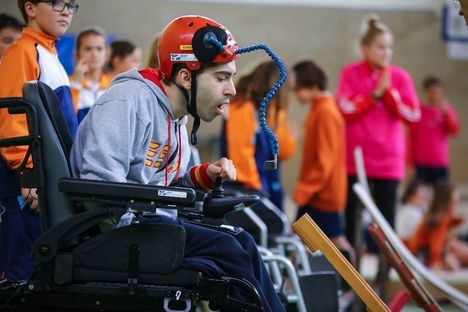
(19, 229)
(384, 194)
(216, 253)
(432, 175)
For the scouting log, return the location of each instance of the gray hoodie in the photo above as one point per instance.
(130, 134)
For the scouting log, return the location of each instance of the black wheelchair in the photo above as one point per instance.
(130, 268)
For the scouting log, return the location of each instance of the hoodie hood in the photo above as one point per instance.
(149, 77)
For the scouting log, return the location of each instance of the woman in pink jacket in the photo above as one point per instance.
(376, 98)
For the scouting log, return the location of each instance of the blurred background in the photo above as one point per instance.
(326, 31)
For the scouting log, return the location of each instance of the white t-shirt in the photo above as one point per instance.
(407, 220)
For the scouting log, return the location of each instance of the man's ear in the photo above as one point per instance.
(30, 9)
(184, 78)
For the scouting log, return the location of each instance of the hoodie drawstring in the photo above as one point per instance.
(179, 156)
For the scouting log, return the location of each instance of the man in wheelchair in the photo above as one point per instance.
(136, 134)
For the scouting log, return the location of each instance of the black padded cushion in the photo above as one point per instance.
(161, 249)
(52, 106)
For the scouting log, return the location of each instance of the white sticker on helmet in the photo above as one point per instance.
(183, 57)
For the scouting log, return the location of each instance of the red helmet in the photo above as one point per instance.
(184, 41)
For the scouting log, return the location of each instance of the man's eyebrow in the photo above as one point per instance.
(225, 72)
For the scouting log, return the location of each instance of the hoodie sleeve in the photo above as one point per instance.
(403, 100)
(451, 123)
(353, 106)
(112, 138)
(197, 177)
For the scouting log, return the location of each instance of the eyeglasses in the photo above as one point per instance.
(59, 6)
(456, 1)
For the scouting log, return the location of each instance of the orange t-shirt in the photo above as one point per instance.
(322, 181)
(433, 239)
(241, 127)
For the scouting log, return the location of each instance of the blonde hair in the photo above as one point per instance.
(372, 27)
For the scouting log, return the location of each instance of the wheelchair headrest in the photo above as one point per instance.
(52, 106)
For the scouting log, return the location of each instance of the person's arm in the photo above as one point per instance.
(402, 100)
(17, 67)
(203, 177)
(75, 88)
(353, 106)
(286, 139)
(326, 140)
(76, 81)
(241, 129)
(451, 123)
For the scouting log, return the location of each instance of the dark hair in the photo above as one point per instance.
(242, 88)
(21, 4)
(372, 29)
(309, 75)
(93, 30)
(120, 48)
(153, 61)
(431, 81)
(411, 189)
(256, 85)
(441, 198)
(10, 21)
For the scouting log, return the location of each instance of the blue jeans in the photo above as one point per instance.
(19, 229)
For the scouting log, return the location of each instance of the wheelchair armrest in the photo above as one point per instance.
(47, 245)
(219, 208)
(126, 193)
(17, 105)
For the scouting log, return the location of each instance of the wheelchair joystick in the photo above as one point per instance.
(218, 190)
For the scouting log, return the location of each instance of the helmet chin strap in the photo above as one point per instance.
(191, 104)
(192, 108)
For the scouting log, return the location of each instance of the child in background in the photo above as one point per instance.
(10, 30)
(429, 138)
(411, 212)
(321, 189)
(124, 55)
(89, 81)
(376, 98)
(435, 236)
(32, 57)
(246, 144)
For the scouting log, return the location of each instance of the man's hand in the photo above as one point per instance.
(30, 196)
(223, 169)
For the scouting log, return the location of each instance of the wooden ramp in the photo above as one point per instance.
(315, 239)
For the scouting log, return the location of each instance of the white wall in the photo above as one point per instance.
(432, 5)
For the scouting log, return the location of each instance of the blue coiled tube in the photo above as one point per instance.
(262, 113)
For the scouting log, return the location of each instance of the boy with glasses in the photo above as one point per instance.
(32, 57)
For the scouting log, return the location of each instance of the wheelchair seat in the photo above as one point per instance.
(74, 265)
